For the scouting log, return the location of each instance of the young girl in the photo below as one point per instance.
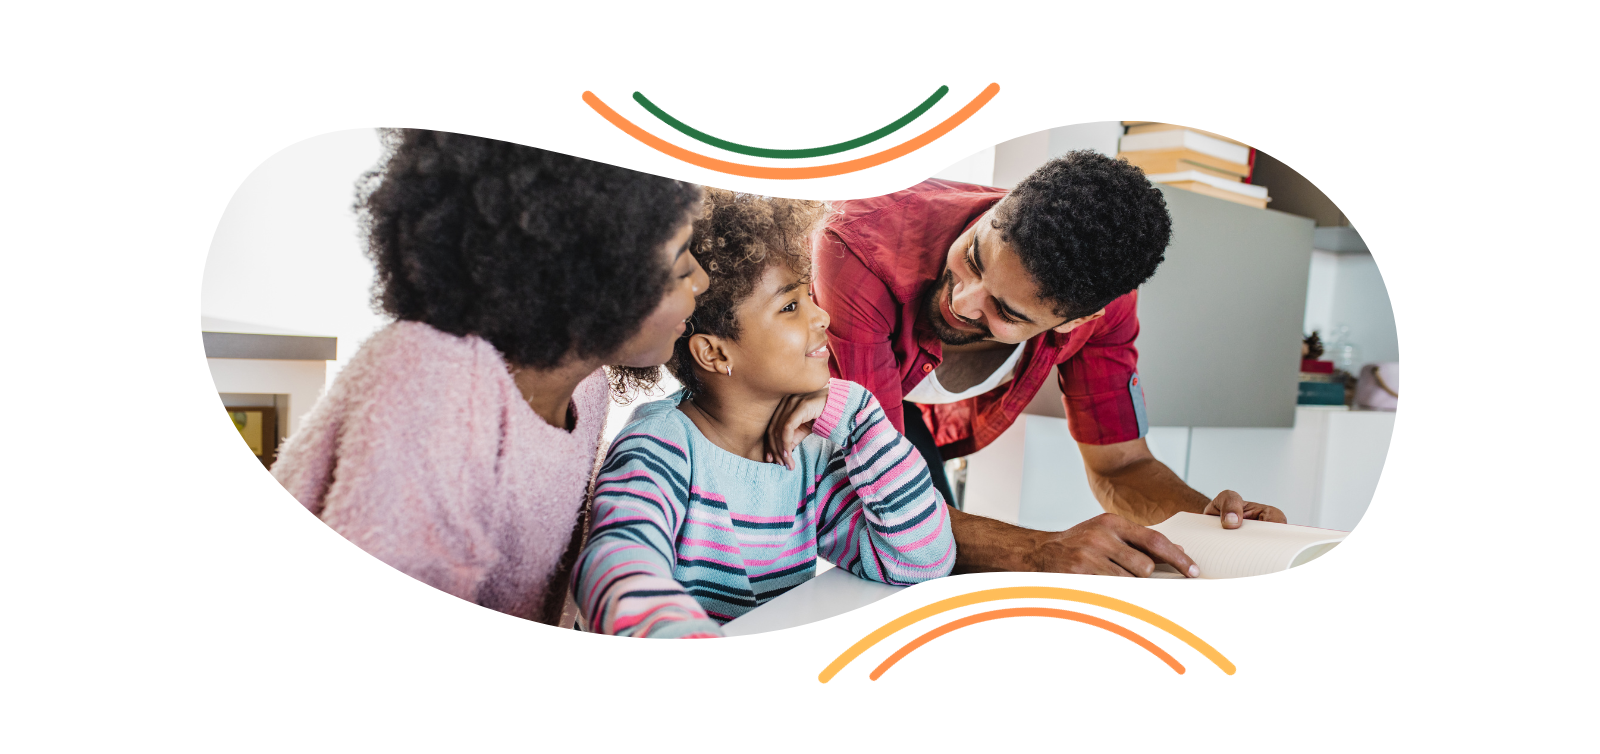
(723, 495)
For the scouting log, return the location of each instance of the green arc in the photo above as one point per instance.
(790, 154)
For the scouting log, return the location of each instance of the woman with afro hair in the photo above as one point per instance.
(460, 443)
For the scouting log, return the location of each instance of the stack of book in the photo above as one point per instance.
(1198, 161)
(1319, 386)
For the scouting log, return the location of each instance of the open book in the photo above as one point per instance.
(1254, 548)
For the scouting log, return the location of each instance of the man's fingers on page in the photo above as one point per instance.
(1113, 569)
(1157, 546)
(1134, 562)
(1230, 506)
(1261, 512)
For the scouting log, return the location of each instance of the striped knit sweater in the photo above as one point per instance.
(688, 536)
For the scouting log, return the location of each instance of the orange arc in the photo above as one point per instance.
(792, 173)
(1019, 612)
(1032, 594)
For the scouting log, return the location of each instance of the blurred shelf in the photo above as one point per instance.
(1339, 239)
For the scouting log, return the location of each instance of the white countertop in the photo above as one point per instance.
(834, 592)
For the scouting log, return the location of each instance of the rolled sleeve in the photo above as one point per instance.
(1099, 384)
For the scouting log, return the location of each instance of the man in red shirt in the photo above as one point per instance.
(953, 306)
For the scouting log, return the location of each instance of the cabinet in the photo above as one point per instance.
(1321, 472)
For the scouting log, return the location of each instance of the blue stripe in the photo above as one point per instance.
(651, 463)
(785, 572)
(697, 563)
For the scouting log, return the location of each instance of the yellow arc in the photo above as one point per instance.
(1024, 592)
(792, 173)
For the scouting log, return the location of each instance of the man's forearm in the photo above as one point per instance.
(1145, 492)
(984, 544)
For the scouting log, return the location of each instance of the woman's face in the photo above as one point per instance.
(783, 337)
(652, 344)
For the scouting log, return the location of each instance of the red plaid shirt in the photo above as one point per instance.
(876, 260)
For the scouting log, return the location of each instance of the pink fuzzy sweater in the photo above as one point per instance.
(423, 453)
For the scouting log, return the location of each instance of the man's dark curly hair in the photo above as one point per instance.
(736, 240)
(1088, 228)
(544, 255)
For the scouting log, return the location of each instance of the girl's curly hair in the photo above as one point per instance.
(736, 240)
(544, 255)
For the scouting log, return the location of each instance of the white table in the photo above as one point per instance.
(834, 592)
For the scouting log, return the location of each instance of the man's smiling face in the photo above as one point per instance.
(986, 294)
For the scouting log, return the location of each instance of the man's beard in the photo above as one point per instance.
(946, 334)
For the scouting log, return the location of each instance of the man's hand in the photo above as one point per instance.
(791, 423)
(1235, 509)
(1107, 545)
(1130, 482)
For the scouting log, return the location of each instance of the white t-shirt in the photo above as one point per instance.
(930, 391)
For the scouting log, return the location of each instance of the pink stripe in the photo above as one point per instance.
(707, 494)
(870, 439)
(761, 519)
(889, 478)
(622, 500)
(850, 534)
(618, 518)
(625, 476)
(932, 535)
(707, 543)
(833, 410)
(840, 485)
(656, 437)
(599, 580)
(791, 551)
(913, 566)
(653, 614)
(718, 562)
(661, 498)
(698, 517)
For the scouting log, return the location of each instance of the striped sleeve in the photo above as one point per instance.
(880, 517)
(623, 580)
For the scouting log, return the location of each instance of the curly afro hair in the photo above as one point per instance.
(1088, 228)
(545, 256)
(736, 240)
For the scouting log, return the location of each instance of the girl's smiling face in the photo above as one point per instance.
(782, 347)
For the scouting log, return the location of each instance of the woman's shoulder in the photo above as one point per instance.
(417, 358)
(418, 347)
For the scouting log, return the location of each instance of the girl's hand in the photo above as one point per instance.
(791, 423)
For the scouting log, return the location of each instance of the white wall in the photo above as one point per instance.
(1320, 289)
(1102, 136)
(1361, 301)
(1022, 155)
(977, 168)
(1322, 472)
(1347, 289)
(1016, 159)
(301, 381)
(308, 274)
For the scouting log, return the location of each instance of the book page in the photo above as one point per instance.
(1255, 548)
(1164, 571)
